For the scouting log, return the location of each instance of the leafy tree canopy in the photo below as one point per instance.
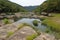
(49, 6)
(7, 6)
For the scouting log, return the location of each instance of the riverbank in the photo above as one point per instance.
(53, 23)
(21, 31)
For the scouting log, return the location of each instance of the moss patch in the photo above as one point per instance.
(9, 34)
(31, 37)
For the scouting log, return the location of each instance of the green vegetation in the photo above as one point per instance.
(49, 6)
(57, 36)
(35, 22)
(31, 37)
(6, 21)
(8, 6)
(20, 26)
(53, 23)
(47, 30)
(40, 8)
(43, 18)
(9, 33)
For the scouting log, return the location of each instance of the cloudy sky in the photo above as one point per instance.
(28, 2)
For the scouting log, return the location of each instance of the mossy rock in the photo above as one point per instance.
(35, 22)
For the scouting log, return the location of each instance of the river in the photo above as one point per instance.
(29, 21)
(40, 27)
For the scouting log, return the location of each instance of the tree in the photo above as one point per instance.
(7, 6)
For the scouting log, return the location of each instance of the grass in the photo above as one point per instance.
(47, 30)
(31, 37)
(57, 36)
(9, 33)
(53, 23)
(22, 25)
(6, 21)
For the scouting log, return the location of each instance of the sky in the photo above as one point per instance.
(28, 2)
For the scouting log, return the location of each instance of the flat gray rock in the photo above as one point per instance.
(8, 28)
(22, 34)
(45, 36)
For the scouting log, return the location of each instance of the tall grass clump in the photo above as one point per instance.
(9, 33)
(31, 37)
(6, 21)
(52, 25)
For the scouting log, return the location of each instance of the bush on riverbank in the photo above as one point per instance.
(9, 33)
(31, 37)
(6, 21)
(52, 25)
(35, 22)
(57, 36)
(53, 22)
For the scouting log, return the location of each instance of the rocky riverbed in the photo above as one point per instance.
(14, 32)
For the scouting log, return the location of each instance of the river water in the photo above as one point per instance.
(40, 27)
(30, 22)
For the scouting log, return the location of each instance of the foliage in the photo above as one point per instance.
(52, 25)
(7, 6)
(6, 21)
(47, 30)
(40, 8)
(49, 6)
(31, 37)
(9, 34)
(57, 36)
(35, 22)
(42, 18)
(20, 26)
(51, 22)
(30, 8)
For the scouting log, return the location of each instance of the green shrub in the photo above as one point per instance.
(57, 35)
(31, 37)
(6, 21)
(9, 34)
(47, 31)
(20, 26)
(42, 18)
(35, 22)
(52, 25)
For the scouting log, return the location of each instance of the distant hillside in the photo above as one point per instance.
(8, 6)
(41, 7)
(49, 6)
(30, 8)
